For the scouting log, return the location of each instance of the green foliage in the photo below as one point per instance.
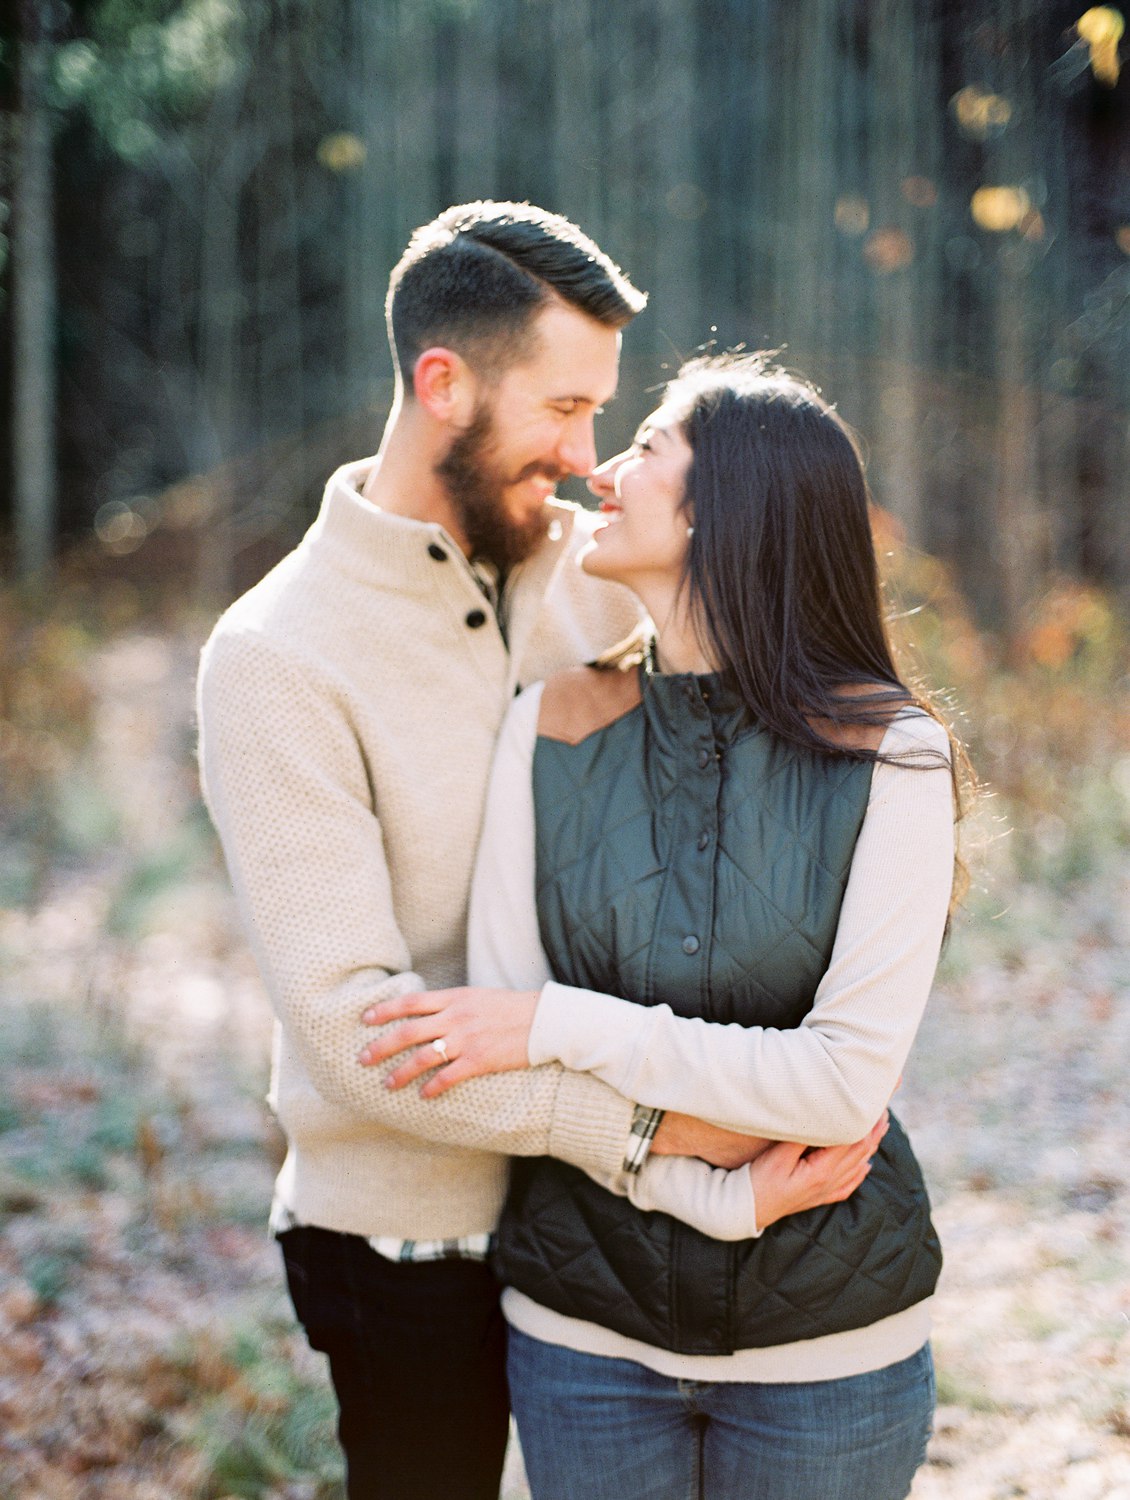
(50, 1272)
(46, 719)
(266, 1424)
(120, 1112)
(155, 874)
(955, 1388)
(146, 66)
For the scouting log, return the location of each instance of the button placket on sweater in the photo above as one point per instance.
(478, 622)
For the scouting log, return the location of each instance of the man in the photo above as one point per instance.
(348, 709)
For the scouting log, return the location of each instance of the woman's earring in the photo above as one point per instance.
(690, 531)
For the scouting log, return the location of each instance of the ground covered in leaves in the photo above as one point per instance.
(146, 1347)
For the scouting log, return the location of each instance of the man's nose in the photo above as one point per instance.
(577, 450)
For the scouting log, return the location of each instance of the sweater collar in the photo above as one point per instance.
(390, 551)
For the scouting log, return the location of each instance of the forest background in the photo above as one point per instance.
(925, 204)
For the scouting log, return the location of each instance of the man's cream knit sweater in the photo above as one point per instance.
(348, 708)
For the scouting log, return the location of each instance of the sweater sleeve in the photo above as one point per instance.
(828, 1080)
(303, 845)
(505, 950)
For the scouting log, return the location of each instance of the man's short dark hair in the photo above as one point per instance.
(473, 280)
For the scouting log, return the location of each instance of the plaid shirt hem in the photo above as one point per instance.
(465, 1247)
(645, 1122)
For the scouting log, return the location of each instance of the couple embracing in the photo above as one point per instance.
(597, 867)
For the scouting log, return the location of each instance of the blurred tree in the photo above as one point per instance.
(926, 205)
(33, 313)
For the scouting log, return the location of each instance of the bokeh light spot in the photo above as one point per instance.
(119, 528)
(1101, 28)
(342, 152)
(999, 209)
(980, 114)
(853, 215)
(919, 191)
(888, 249)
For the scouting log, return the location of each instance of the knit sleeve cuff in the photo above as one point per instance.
(591, 1124)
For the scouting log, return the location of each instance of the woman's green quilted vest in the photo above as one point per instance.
(686, 857)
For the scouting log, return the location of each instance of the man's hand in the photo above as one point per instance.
(684, 1135)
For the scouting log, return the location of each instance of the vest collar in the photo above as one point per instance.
(670, 696)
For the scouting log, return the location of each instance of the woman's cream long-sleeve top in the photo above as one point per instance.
(825, 1082)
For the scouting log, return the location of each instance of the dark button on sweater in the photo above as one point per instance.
(476, 618)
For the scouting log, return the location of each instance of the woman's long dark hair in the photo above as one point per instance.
(781, 570)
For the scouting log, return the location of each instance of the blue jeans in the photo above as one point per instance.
(594, 1428)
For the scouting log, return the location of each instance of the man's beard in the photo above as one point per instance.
(474, 486)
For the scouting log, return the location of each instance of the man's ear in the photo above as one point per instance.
(444, 386)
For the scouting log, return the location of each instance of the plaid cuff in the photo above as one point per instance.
(645, 1122)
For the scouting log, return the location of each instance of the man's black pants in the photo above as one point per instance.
(417, 1355)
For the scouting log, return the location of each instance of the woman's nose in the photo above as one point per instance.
(602, 480)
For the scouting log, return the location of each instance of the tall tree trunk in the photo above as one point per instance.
(476, 106)
(1021, 555)
(33, 308)
(896, 104)
(414, 118)
(674, 208)
(374, 242)
(229, 156)
(806, 183)
(578, 150)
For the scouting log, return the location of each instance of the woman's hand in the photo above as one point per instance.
(789, 1178)
(481, 1031)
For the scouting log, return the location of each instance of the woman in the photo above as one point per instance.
(750, 840)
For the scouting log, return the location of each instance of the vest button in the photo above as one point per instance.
(703, 758)
(703, 839)
(476, 618)
(436, 551)
(690, 944)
